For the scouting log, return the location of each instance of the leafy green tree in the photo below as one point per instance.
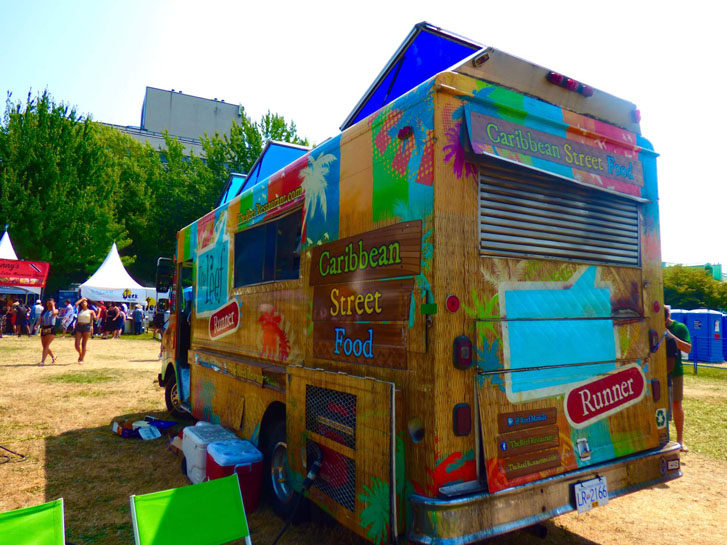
(238, 151)
(137, 171)
(189, 184)
(56, 193)
(70, 187)
(689, 288)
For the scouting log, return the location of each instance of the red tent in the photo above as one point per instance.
(18, 276)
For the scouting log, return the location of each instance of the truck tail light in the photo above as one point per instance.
(569, 83)
(452, 303)
(555, 78)
(462, 352)
(653, 340)
(462, 419)
(656, 389)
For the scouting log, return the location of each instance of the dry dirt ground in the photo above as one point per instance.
(59, 418)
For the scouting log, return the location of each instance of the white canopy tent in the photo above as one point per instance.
(6, 248)
(8, 252)
(111, 282)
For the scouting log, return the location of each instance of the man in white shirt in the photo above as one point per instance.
(68, 318)
(37, 311)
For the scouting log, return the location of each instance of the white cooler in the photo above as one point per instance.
(194, 446)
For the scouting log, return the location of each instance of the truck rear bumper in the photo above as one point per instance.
(478, 516)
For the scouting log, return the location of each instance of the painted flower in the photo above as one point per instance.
(375, 514)
(455, 150)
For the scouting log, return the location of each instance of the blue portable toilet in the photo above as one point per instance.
(705, 329)
(694, 330)
(724, 338)
(679, 315)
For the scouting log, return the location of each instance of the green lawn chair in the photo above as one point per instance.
(208, 513)
(37, 525)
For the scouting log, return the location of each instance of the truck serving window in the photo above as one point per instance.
(268, 252)
(527, 214)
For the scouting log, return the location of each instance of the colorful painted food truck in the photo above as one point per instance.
(454, 306)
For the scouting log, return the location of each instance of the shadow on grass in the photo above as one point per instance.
(96, 471)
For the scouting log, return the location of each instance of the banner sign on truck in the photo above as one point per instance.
(26, 274)
(587, 157)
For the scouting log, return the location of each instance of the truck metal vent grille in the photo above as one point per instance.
(337, 477)
(332, 414)
(524, 213)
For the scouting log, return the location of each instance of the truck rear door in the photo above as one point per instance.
(564, 378)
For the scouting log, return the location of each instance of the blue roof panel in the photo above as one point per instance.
(275, 157)
(427, 51)
(234, 184)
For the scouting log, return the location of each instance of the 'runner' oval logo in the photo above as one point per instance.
(598, 399)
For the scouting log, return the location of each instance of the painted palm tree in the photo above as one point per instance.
(314, 184)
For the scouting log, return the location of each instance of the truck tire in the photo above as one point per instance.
(278, 488)
(171, 396)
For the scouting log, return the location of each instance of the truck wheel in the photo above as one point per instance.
(278, 486)
(171, 397)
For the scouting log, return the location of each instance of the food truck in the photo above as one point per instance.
(454, 306)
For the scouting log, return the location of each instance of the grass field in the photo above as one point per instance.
(58, 418)
(705, 407)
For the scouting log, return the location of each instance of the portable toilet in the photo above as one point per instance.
(705, 329)
(679, 315)
(724, 338)
(695, 326)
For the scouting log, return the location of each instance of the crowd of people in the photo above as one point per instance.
(81, 320)
(19, 318)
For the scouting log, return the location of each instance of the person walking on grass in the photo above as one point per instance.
(47, 330)
(677, 341)
(84, 325)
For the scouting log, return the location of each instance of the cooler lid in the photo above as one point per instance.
(228, 453)
(208, 433)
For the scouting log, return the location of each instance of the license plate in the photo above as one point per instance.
(590, 494)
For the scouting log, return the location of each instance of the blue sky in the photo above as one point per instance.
(312, 61)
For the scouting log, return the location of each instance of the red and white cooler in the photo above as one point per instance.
(195, 440)
(241, 457)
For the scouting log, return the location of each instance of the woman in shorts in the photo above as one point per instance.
(47, 330)
(84, 327)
